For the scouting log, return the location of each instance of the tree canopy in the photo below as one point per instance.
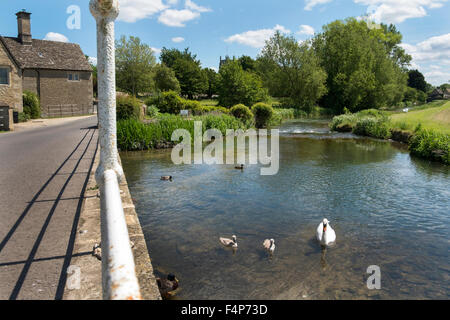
(134, 65)
(187, 70)
(237, 86)
(292, 70)
(416, 80)
(366, 68)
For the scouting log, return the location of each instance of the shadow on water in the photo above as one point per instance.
(387, 209)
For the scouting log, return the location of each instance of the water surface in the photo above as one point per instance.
(387, 208)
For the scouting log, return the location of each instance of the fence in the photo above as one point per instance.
(66, 110)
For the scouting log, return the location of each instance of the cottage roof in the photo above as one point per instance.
(43, 54)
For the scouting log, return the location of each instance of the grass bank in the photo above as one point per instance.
(132, 134)
(425, 130)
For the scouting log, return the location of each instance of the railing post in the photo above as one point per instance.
(105, 12)
(118, 268)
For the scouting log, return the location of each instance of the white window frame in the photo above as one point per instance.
(8, 68)
(73, 74)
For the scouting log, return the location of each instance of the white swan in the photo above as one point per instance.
(269, 245)
(229, 242)
(325, 234)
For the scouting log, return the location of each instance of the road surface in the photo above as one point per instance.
(43, 172)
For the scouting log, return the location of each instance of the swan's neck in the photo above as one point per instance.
(325, 235)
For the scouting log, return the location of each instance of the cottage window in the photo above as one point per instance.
(73, 77)
(4, 75)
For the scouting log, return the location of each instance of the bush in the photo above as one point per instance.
(263, 113)
(152, 111)
(128, 107)
(241, 112)
(430, 144)
(372, 127)
(167, 102)
(23, 117)
(31, 105)
(135, 135)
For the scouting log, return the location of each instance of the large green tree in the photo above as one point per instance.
(165, 80)
(134, 65)
(292, 70)
(237, 86)
(212, 78)
(187, 70)
(416, 80)
(366, 67)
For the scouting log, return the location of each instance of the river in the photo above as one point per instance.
(388, 209)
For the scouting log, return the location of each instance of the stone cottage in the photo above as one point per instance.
(57, 72)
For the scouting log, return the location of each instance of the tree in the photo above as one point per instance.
(292, 70)
(134, 65)
(94, 77)
(247, 63)
(165, 80)
(417, 80)
(187, 70)
(212, 78)
(237, 86)
(366, 68)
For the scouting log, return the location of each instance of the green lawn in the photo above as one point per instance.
(209, 102)
(436, 118)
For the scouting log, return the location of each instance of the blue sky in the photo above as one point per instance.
(214, 28)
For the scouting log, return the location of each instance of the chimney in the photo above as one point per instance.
(24, 27)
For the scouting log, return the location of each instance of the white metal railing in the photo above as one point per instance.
(118, 269)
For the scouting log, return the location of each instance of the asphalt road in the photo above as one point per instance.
(43, 172)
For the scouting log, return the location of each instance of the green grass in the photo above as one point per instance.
(209, 102)
(132, 134)
(436, 118)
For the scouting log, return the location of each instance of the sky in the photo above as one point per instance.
(214, 28)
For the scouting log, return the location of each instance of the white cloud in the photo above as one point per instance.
(53, 36)
(396, 11)
(93, 60)
(310, 4)
(177, 18)
(306, 30)
(156, 51)
(134, 10)
(256, 38)
(194, 7)
(178, 39)
(433, 49)
(433, 56)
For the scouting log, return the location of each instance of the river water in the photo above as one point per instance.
(387, 208)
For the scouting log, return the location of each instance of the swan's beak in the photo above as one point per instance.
(324, 228)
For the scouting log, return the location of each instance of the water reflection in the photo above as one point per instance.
(387, 209)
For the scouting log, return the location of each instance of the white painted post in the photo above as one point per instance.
(118, 268)
(105, 12)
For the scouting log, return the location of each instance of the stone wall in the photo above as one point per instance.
(11, 94)
(60, 97)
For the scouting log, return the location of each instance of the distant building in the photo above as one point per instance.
(446, 93)
(437, 94)
(224, 61)
(57, 72)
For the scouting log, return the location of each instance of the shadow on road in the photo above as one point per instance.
(68, 256)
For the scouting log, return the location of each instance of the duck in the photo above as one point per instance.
(325, 234)
(167, 178)
(229, 242)
(167, 286)
(269, 245)
(241, 167)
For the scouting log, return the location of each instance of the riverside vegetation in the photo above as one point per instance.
(425, 130)
(154, 131)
